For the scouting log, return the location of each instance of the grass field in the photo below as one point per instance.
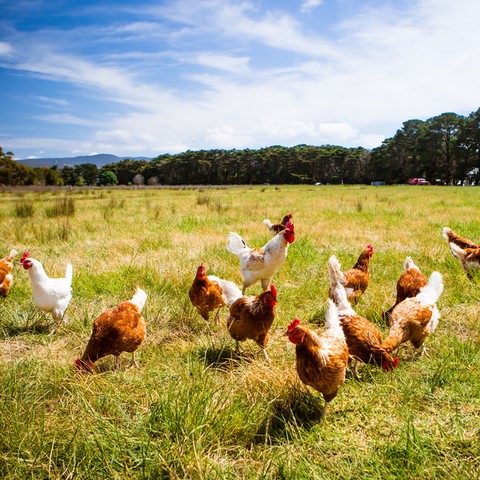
(195, 410)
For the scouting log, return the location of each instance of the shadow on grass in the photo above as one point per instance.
(300, 409)
(13, 329)
(225, 358)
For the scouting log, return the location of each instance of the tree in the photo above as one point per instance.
(108, 178)
(88, 172)
(441, 146)
(138, 180)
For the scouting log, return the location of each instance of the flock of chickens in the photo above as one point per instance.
(321, 359)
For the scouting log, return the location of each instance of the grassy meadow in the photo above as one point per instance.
(195, 410)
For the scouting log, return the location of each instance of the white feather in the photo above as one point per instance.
(409, 263)
(230, 290)
(332, 320)
(430, 293)
(139, 299)
(50, 294)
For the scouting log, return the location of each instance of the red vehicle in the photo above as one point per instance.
(418, 181)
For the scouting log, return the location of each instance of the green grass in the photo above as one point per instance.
(194, 410)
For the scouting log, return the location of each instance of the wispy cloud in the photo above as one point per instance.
(309, 5)
(228, 74)
(64, 118)
(5, 49)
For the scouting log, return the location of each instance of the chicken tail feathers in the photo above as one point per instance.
(235, 243)
(431, 292)
(139, 299)
(268, 223)
(457, 251)
(408, 264)
(334, 271)
(447, 233)
(332, 320)
(339, 296)
(69, 273)
(231, 292)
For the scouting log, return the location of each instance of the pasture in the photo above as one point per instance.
(195, 410)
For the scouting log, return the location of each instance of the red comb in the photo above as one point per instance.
(395, 362)
(290, 226)
(24, 256)
(294, 324)
(370, 247)
(273, 290)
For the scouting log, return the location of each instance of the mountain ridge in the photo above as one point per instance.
(99, 159)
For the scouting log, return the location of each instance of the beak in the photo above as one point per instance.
(285, 333)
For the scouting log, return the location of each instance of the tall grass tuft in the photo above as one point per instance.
(24, 209)
(64, 207)
(204, 198)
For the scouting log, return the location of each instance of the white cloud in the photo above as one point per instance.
(250, 79)
(5, 49)
(227, 63)
(64, 118)
(308, 5)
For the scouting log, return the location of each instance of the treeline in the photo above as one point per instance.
(443, 149)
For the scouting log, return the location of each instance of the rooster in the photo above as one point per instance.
(467, 252)
(408, 285)
(416, 317)
(208, 293)
(52, 295)
(321, 359)
(121, 329)
(363, 338)
(251, 317)
(6, 278)
(277, 227)
(261, 263)
(356, 279)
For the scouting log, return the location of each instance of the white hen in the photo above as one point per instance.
(52, 295)
(261, 263)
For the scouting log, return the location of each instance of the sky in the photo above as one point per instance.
(144, 78)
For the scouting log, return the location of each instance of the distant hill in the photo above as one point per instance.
(99, 160)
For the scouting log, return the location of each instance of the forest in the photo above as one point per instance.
(444, 149)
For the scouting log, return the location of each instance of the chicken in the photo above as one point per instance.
(467, 252)
(416, 317)
(251, 317)
(469, 258)
(356, 279)
(277, 227)
(408, 285)
(52, 295)
(6, 277)
(261, 263)
(321, 359)
(461, 242)
(120, 329)
(363, 338)
(208, 293)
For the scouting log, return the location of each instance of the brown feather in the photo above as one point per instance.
(121, 329)
(206, 296)
(6, 267)
(409, 321)
(357, 277)
(326, 375)
(251, 318)
(460, 241)
(408, 285)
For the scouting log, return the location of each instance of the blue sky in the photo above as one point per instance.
(143, 77)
